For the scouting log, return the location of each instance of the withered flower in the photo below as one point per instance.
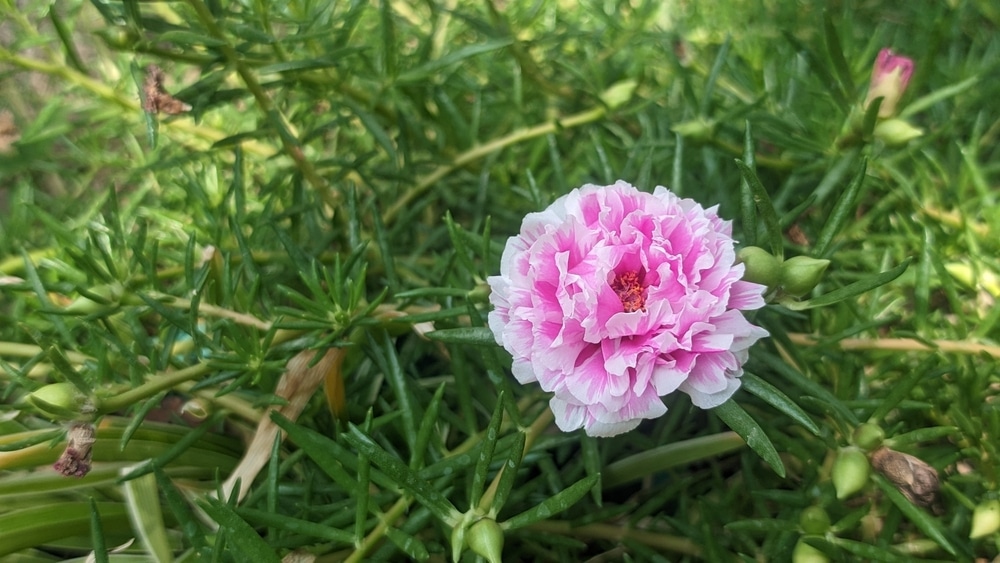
(917, 480)
(75, 459)
(155, 98)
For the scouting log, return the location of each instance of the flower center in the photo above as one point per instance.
(628, 286)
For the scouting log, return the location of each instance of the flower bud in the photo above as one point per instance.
(805, 553)
(890, 77)
(619, 93)
(814, 520)
(485, 538)
(696, 129)
(895, 132)
(985, 519)
(800, 274)
(58, 400)
(850, 472)
(760, 266)
(868, 436)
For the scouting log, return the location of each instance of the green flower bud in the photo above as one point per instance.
(106, 295)
(850, 472)
(58, 400)
(799, 275)
(485, 538)
(895, 132)
(619, 93)
(761, 266)
(985, 519)
(805, 553)
(814, 520)
(868, 436)
(696, 129)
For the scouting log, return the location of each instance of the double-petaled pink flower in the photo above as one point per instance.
(613, 298)
(890, 76)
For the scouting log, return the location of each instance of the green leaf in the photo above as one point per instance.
(476, 336)
(743, 424)
(851, 290)
(239, 535)
(488, 444)
(810, 387)
(408, 544)
(424, 72)
(186, 38)
(864, 551)
(772, 396)
(765, 208)
(320, 449)
(509, 475)
(295, 525)
(762, 526)
(923, 521)
(44, 523)
(901, 387)
(409, 480)
(748, 207)
(142, 499)
(554, 505)
(842, 212)
(670, 455)
(97, 534)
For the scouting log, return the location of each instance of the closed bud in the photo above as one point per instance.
(619, 93)
(814, 520)
(985, 519)
(760, 266)
(697, 129)
(895, 132)
(805, 553)
(800, 274)
(850, 472)
(868, 436)
(58, 400)
(890, 77)
(485, 538)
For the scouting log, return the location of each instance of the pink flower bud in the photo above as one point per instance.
(890, 76)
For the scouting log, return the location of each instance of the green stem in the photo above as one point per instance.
(158, 383)
(289, 141)
(902, 345)
(129, 103)
(424, 183)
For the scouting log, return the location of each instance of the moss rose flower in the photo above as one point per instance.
(613, 298)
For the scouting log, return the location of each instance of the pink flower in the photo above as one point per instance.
(890, 76)
(613, 298)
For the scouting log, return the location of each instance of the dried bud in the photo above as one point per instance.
(917, 480)
(805, 553)
(850, 472)
(75, 459)
(485, 538)
(760, 266)
(814, 520)
(985, 519)
(890, 77)
(156, 99)
(800, 274)
(868, 436)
